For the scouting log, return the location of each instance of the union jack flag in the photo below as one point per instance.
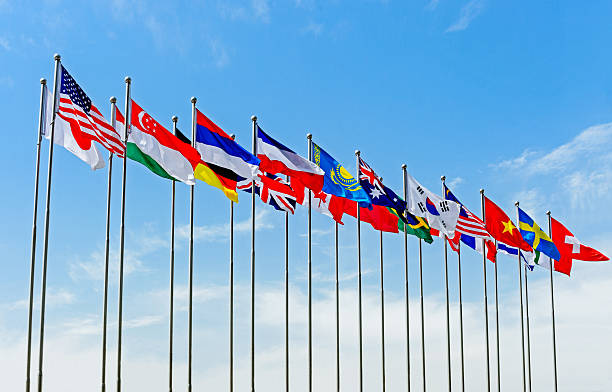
(87, 124)
(379, 194)
(273, 190)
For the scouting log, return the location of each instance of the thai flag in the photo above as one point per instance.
(277, 158)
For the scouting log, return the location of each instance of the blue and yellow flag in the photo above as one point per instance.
(338, 181)
(536, 237)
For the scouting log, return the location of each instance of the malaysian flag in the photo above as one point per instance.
(78, 123)
(469, 228)
(273, 190)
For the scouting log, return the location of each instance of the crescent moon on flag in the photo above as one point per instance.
(140, 116)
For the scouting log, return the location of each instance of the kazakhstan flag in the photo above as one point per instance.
(534, 236)
(338, 181)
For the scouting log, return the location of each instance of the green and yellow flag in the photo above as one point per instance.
(416, 226)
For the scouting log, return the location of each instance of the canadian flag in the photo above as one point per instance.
(571, 248)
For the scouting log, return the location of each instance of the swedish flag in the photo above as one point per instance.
(534, 236)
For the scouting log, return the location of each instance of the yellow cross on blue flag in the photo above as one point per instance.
(536, 237)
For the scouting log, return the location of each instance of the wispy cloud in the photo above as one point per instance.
(454, 183)
(4, 44)
(55, 297)
(432, 5)
(219, 53)
(468, 13)
(221, 232)
(256, 10)
(313, 28)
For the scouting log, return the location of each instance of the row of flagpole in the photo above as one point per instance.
(526, 355)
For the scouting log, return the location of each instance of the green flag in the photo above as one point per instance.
(416, 226)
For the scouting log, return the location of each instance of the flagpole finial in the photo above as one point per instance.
(517, 203)
(309, 136)
(57, 57)
(443, 178)
(128, 79)
(233, 136)
(194, 100)
(404, 166)
(548, 212)
(254, 118)
(174, 119)
(113, 99)
(357, 152)
(481, 191)
(43, 81)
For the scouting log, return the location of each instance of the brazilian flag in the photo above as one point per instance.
(416, 226)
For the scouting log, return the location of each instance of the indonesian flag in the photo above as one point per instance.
(277, 158)
(571, 248)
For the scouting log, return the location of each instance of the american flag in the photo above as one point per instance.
(468, 223)
(86, 121)
(273, 190)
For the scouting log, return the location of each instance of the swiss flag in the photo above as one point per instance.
(570, 248)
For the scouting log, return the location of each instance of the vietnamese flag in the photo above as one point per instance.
(502, 228)
(570, 248)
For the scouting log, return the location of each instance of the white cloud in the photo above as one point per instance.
(54, 297)
(454, 183)
(257, 10)
(4, 44)
(219, 53)
(221, 232)
(432, 5)
(313, 28)
(468, 13)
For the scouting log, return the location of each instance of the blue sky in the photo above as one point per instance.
(511, 97)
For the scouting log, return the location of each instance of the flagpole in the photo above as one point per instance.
(309, 137)
(448, 337)
(231, 295)
(528, 339)
(128, 106)
(486, 306)
(404, 175)
(43, 295)
(461, 318)
(41, 125)
(497, 327)
(382, 310)
(287, 299)
(190, 312)
(552, 304)
(254, 120)
(113, 102)
(357, 153)
(518, 219)
(337, 314)
(422, 312)
(171, 315)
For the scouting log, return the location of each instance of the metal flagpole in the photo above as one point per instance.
(309, 137)
(254, 120)
(552, 304)
(231, 295)
(382, 311)
(497, 327)
(521, 301)
(46, 229)
(357, 153)
(128, 107)
(486, 306)
(461, 318)
(113, 118)
(448, 337)
(41, 127)
(287, 299)
(422, 313)
(528, 339)
(171, 315)
(190, 312)
(337, 315)
(404, 175)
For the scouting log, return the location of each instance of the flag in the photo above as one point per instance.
(277, 158)
(529, 258)
(502, 228)
(570, 248)
(273, 190)
(216, 176)
(78, 123)
(225, 159)
(326, 204)
(379, 194)
(158, 149)
(378, 216)
(471, 229)
(441, 214)
(414, 225)
(534, 236)
(337, 180)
